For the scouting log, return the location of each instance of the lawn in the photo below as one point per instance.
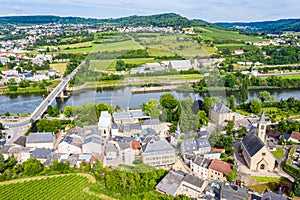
(278, 153)
(55, 187)
(264, 179)
(159, 52)
(60, 67)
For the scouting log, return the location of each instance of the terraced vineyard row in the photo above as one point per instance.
(60, 187)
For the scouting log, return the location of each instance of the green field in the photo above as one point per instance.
(60, 67)
(212, 33)
(168, 45)
(103, 65)
(55, 187)
(110, 65)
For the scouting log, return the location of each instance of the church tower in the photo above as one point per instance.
(262, 127)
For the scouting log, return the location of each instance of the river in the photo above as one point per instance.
(122, 97)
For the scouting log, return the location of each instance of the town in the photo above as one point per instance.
(167, 147)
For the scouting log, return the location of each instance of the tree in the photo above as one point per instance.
(227, 142)
(50, 110)
(68, 111)
(255, 106)
(203, 119)
(242, 131)
(229, 127)
(55, 111)
(215, 137)
(243, 94)
(207, 103)
(168, 101)
(229, 80)
(231, 103)
(1, 126)
(32, 167)
(296, 186)
(188, 120)
(265, 96)
(151, 108)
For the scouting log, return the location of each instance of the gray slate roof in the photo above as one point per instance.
(161, 146)
(150, 122)
(194, 180)
(41, 153)
(252, 143)
(40, 137)
(233, 192)
(220, 108)
(20, 141)
(202, 162)
(194, 144)
(170, 183)
(273, 196)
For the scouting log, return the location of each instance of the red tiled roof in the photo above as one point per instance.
(221, 166)
(295, 135)
(135, 145)
(216, 150)
(273, 133)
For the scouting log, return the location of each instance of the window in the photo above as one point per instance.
(263, 154)
(262, 126)
(262, 166)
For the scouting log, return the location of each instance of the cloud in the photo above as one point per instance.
(214, 10)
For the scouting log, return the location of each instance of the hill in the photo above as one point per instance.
(277, 26)
(161, 20)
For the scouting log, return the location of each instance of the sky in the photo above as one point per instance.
(208, 10)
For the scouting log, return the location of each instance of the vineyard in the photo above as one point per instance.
(58, 187)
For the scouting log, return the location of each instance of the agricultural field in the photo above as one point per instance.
(215, 34)
(159, 45)
(103, 65)
(55, 187)
(110, 65)
(60, 67)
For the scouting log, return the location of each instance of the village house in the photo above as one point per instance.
(217, 170)
(178, 182)
(239, 52)
(219, 113)
(196, 146)
(92, 146)
(70, 145)
(158, 153)
(200, 166)
(295, 137)
(40, 140)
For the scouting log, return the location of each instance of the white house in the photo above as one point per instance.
(70, 145)
(295, 137)
(104, 124)
(40, 140)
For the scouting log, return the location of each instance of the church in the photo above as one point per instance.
(254, 149)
